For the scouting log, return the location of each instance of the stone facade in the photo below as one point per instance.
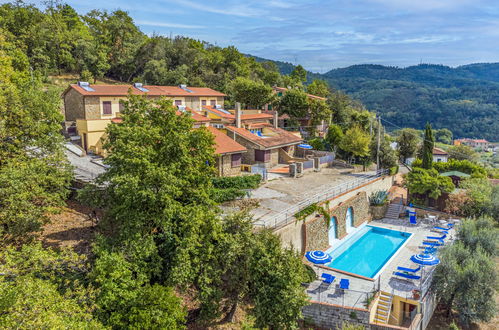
(316, 234)
(333, 317)
(224, 166)
(316, 229)
(92, 108)
(249, 157)
(378, 212)
(73, 105)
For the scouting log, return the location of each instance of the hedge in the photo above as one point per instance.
(238, 182)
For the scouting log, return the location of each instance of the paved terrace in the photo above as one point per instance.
(359, 288)
(281, 198)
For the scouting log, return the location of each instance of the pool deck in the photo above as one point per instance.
(359, 288)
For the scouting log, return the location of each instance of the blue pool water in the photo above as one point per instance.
(367, 250)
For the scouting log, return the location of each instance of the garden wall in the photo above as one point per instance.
(333, 316)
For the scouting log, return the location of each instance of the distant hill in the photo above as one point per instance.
(284, 67)
(464, 99)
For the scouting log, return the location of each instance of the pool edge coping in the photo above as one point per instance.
(378, 273)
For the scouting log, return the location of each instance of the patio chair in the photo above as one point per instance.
(407, 276)
(327, 278)
(409, 270)
(344, 284)
(412, 220)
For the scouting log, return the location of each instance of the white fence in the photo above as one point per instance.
(287, 216)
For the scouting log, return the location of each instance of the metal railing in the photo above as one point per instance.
(286, 216)
(342, 297)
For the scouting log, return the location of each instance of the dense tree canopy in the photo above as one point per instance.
(463, 99)
(34, 174)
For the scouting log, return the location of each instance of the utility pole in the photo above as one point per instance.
(379, 138)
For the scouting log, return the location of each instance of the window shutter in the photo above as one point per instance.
(106, 108)
(203, 102)
(213, 102)
(236, 160)
(259, 155)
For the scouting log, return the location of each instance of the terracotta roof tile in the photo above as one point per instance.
(197, 117)
(281, 138)
(122, 90)
(224, 144)
(256, 116)
(218, 112)
(438, 151)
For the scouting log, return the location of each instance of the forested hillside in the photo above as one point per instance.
(463, 99)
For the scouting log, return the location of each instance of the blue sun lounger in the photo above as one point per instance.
(327, 278)
(429, 250)
(433, 244)
(441, 238)
(409, 270)
(344, 283)
(407, 276)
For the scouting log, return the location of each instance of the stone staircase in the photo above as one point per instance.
(394, 209)
(384, 307)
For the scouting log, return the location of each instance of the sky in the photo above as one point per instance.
(321, 35)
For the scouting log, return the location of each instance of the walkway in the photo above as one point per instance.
(280, 199)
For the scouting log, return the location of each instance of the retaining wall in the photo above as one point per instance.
(334, 317)
(294, 234)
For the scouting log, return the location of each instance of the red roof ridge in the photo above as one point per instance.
(224, 144)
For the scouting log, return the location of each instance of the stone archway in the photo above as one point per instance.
(349, 220)
(333, 230)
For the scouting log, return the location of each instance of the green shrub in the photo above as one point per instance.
(238, 182)
(224, 195)
(378, 198)
(394, 170)
(317, 144)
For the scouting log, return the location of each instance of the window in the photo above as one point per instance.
(106, 108)
(122, 105)
(236, 160)
(178, 102)
(213, 102)
(262, 156)
(203, 102)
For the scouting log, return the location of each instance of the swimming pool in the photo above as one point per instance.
(367, 251)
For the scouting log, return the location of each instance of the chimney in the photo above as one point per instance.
(238, 115)
(276, 119)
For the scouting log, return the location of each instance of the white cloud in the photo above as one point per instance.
(241, 10)
(170, 25)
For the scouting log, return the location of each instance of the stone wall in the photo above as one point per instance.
(378, 212)
(294, 235)
(316, 234)
(249, 156)
(224, 165)
(316, 229)
(73, 106)
(360, 207)
(333, 316)
(92, 107)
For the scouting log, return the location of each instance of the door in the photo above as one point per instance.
(85, 141)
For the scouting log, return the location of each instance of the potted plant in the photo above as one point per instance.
(416, 294)
(378, 202)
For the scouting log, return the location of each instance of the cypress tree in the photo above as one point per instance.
(428, 144)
